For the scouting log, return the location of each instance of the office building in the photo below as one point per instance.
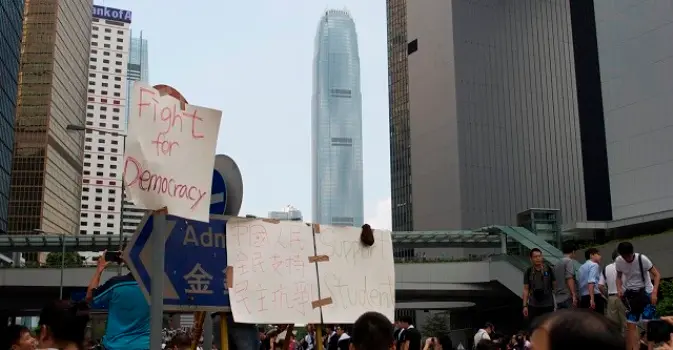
(138, 70)
(336, 144)
(46, 181)
(289, 213)
(11, 16)
(105, 122)
(510, 111)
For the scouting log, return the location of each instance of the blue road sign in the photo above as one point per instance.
(196, 256)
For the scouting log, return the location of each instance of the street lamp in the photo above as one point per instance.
(62, 237)
(74, 127)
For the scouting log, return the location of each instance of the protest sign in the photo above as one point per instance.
(270, 275)
(169, 153)
(357, 278)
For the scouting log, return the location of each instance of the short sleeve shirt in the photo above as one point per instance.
(632, 276)
(539, 280)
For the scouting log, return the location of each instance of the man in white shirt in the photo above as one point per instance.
(483, 333)
(638, 291)
(616, 311)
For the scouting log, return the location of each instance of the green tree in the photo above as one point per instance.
(436, 325)
(665, 304)
(71, 259)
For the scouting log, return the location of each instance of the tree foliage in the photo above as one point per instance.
(71, 259)
(665, 303)
(436, 325)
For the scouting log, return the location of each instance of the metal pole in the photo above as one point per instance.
(208, 332)
(121, 208)
(60, 291)
(157, 285)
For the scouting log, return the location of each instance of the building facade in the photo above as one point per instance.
(336, 138)
(289, 213)
(488, 114)
(138, 70)
(46, 183)
(11, 15)
(102, 192)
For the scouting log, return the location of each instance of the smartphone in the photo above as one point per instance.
(114, 257)
(659, 331)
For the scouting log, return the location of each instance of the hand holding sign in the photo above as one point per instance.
(169, 154)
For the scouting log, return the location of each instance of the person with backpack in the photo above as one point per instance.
(539, 284)
(589, 278)
(638, 290)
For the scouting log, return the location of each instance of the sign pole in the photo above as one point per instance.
(208, 331)
(224, 332)
(157, 285)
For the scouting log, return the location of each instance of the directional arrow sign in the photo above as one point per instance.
(196, 257)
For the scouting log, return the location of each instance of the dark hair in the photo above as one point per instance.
(625, 248)
(615, 254)
(372, 331)
(581, 329)
(367, 235)
(10, 335)
(181, 341)
(66, 321)
(485, 344)
(445, 342)
(406, 319)
(568, 247)
(533, 251)
(489, 325)
(589, 252)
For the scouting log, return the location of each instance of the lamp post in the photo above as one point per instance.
(73, 127)
(62, 238)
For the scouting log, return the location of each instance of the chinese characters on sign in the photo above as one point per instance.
(160, 166)
(273, 280)
(357, 278)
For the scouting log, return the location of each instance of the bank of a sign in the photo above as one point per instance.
(112, 14)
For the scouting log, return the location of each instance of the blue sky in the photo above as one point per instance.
(252, 60)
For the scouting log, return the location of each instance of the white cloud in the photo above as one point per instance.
(380, 217)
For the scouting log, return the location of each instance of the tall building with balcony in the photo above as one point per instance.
(46, 183)
(138, 70)
(288, 213)
(11, 15)
(336, 137)
(102, 191)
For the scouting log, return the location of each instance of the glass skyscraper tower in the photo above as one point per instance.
(336, 140)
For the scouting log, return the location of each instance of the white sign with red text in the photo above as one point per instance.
(169, 154)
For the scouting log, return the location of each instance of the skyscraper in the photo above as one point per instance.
(105, 121)
(138, 70)
(288, 213)
(336, 138)
(11, 15)
(46, 183)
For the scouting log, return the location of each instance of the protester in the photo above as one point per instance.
(564, 273)
(63, 325)
(344, 339)
(180, 342)
(635, 287)
(615, 309)
(410, 337)
(576, 329)
(539, 284)
(16, 337)
(308, 343)
(372, 331)
(484, 333)
(589, 278)
(128, 322)
(397, 333)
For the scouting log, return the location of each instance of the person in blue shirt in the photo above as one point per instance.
(128, 322)
(589, 278)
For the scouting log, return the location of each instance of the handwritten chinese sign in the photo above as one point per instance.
(272, 280)
(356, 277)
(169, 154)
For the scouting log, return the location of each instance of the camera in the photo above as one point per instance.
(115, 257)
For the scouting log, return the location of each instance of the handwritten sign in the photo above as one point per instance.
(272, 280)
(357, 278)
(169, 154)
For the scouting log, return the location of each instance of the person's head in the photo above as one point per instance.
(180, 342)
(576, 329)
(536, 256)
(406, 321)
(444, 343)
(489, 327)
(593, 254)
(330, 328)
(339, 330)
(372, 331)
(310, 328)
(63, 324)
(568, 248)
(626, 251)
(486, 344)
(16, 337)
(615, 254)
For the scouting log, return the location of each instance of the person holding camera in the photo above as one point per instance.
(638, 289)
(539, 283)
(128, 321)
